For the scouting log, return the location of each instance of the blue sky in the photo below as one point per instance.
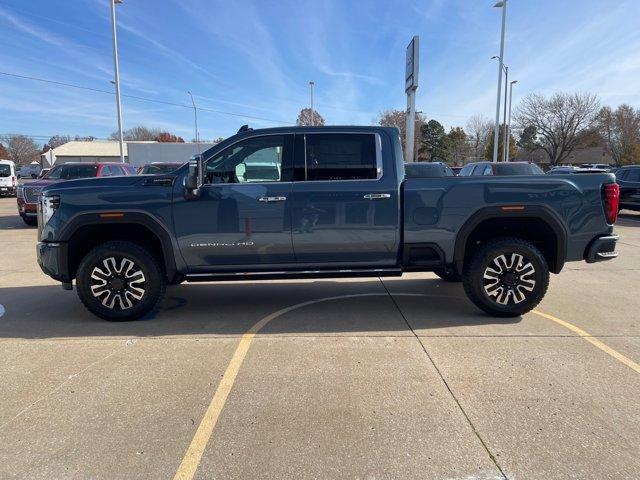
(256, 58)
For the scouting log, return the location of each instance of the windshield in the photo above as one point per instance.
(159, 169)
(5, 170)
(70, 172)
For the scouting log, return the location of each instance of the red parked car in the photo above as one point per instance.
(28, 193)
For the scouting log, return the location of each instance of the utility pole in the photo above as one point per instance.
(410, 87)
(510, 103)
(505, 139)
(502, 4)
(116, 69)
(313, 115)
(195, 118)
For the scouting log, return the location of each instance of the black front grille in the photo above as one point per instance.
(31, 194)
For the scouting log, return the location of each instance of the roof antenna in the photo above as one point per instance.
(245, 128)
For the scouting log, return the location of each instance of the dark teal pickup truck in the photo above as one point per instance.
(304, 202)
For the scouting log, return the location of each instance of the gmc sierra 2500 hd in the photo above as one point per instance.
(306, 202)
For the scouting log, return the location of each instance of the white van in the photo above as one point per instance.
(7, 177)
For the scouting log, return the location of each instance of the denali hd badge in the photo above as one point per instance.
(222, 244)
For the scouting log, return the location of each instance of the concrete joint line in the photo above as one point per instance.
(446, 384)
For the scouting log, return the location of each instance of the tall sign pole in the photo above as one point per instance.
(410, 87)
(116, 70)
(503, 5)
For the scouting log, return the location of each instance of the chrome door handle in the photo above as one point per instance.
(272, 199)
(376, 196)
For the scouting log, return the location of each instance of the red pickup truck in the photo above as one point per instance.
(27, 194)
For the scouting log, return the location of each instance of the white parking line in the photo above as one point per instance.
(2, 310)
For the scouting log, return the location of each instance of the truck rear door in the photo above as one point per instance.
(345, 207)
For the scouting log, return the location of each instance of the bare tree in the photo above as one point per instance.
(57, 140)
(398, 119)
(478, 130)
(307, 118)
(559, 120)
(620, 129)
(138, 133)
(21, 149)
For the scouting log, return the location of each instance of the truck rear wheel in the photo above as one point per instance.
(506, 277)
(120, 281)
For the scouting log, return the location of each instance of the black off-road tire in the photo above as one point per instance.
(448, 274)
(110, 289)
(480, 286)
(31, 221)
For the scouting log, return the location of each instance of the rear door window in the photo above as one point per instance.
(340, 156)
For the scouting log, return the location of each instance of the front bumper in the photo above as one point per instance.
(27, 209)
(601, 249)
(53, 260)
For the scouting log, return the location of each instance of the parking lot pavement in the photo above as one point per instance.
(401, 378)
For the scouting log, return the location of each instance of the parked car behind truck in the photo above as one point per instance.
(341, 206)
(27, 194)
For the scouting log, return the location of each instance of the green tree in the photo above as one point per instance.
(513, 149)
(458, 147)
(529, 139)
(433, 141)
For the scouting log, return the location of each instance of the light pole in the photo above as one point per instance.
(510, 102)
(502, 4)
(505, 139)
(116, 69)
(313, 116)
(504, 115)
(195, 118)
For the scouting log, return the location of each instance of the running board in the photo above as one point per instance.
(294, 274)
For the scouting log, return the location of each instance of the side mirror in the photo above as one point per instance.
(194, 178)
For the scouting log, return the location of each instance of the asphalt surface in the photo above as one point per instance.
(364, 379)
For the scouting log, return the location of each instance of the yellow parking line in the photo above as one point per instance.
(191, 460)
(594, 341)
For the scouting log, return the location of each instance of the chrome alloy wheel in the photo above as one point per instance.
(118, 283)
(508, 279)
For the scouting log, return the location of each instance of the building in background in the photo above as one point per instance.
(80, 151)
(143, 153)
(135, 153)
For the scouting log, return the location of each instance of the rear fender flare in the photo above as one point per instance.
(541, 212)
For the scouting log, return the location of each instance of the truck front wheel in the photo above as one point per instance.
(506, 277)
(120, 281)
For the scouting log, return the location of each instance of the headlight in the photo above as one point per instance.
(20, 191)
(48, 206)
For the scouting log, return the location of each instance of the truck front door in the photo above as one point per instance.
(242, 216)
(345, 208)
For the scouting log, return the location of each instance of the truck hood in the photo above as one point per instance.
(42, 183)
(93, 183)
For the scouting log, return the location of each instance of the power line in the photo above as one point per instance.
(144, 99)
